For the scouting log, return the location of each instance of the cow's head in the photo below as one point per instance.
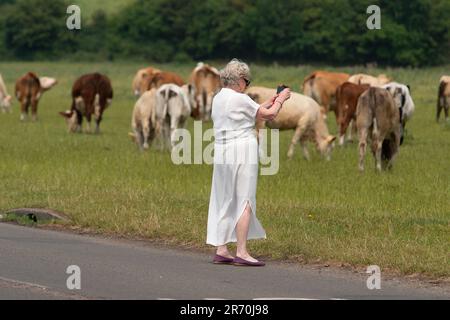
(71, 120)
(6, 102)
(325, 145)
(47, 83)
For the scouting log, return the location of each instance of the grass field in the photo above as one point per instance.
(314, 211)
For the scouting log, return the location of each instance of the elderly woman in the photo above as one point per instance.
(232, 207)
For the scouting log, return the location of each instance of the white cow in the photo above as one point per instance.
(301, 114)
(403, 100)
(172, 110)
(142, 119)
(5, 98)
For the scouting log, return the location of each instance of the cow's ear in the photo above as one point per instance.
(409, 88)
(331, 139)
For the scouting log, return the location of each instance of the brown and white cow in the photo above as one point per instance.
(205, 81)
(5, 98)
(378, 118)
(29, 90)
(322, 85)
(91, 95)
(141, 80)
(163, 77)
(301, 114)
(362, 78)
(443, 97)
(347, 96)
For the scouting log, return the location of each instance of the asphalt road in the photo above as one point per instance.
(33, 265)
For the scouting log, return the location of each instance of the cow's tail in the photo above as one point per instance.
(166, 103)
(308, 84)
(97, 106)
(205, 99)
(373, 107)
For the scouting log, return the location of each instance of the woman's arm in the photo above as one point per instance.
(266, 112)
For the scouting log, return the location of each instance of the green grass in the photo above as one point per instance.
(312, 211)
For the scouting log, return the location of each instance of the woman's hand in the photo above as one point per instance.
(269, 102)
(284, 95)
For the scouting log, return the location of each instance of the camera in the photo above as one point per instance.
(281, 88)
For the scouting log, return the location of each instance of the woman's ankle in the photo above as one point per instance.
(222, 251)
(243, 254)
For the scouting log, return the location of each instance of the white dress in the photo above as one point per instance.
(235, 173)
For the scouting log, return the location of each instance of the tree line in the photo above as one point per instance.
(413, 32)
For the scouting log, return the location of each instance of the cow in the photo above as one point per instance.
(142, 120)
(29, 89)
(322, 85)
(91, 95)
(361, 78)
(347, 96)
(5, 98)
(404, 102)
(378, 118)
(141, 80)
(160, 78)
(443, 101)
(205, 81)
(172, 110)
(299, 113)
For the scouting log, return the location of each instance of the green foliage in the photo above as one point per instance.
(414, 32)
(35, 28)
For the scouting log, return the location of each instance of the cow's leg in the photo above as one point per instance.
(377, 149)
(167, 140)
(325, 103)
(363, 133)
(34, 106)
(98, 119)
(295, 139)
(79, 121)
(343, 129)
(352, 131)
(145, 135)
(208, 107)
(439, 110)
(175, 123)
(304, 145)
(88, 122)
(159, 130)
(24, 105)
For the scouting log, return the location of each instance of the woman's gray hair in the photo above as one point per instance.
(234, 71)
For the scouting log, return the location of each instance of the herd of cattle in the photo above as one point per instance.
(375, 107)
